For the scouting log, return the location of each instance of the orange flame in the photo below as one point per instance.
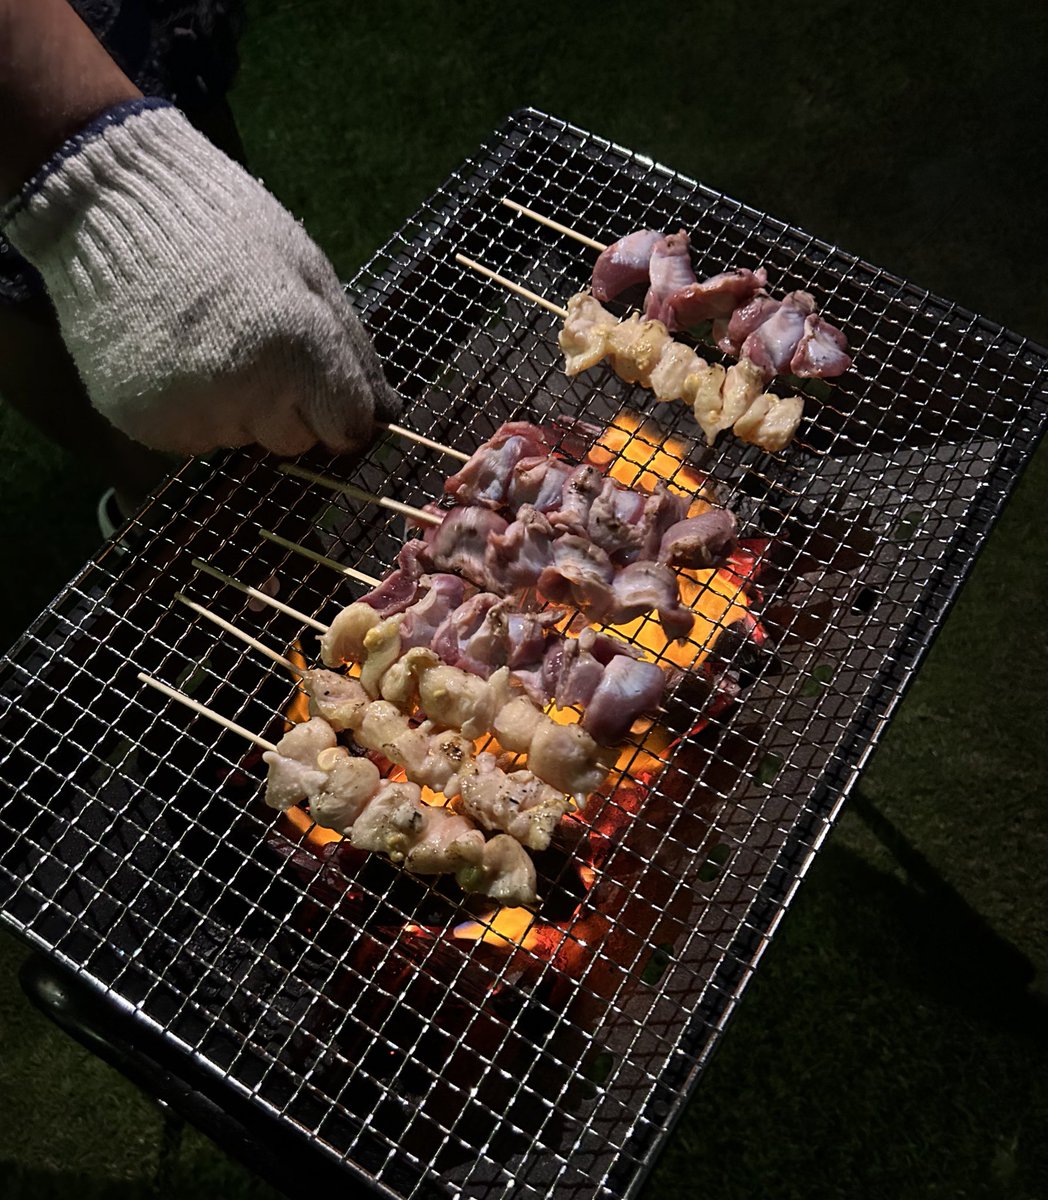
(513, 928)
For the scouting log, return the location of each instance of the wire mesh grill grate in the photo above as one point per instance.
(312, 983)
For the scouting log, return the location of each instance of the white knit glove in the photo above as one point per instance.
(198, 311)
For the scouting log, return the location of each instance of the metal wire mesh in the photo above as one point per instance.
(327, 989)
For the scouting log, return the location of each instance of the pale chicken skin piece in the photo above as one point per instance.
(447, 841)
(515, 724)
(706, 400)
(349, 787)
(392, 821)
(432, 760)
(344, 640)
(564, 756)
(669, 379)
(515, 803)
(505, 873)
(292, 772)
(567, 758)
(583, 338)
(770, 422)
(340, 700)
(454, 699)
(399, 685)
(429, 840)
(635, 347)
(381, 651)
(743, 383)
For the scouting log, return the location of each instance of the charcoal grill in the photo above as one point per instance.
(325, 1000)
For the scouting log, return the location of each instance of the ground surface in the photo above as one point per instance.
(894, 1042)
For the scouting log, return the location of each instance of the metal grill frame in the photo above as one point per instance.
(121, 807)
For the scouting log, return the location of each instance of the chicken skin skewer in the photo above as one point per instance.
(348, 794)
(518, 803)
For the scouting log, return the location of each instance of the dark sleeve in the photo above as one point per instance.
(183, 50)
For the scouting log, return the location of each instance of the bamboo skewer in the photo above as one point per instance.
(534, 297)
(551, 224)
(411, 435)
(229, 627)
(350, 489)
(204, 711)
(349, 572)
(320, 558)
(255, 594)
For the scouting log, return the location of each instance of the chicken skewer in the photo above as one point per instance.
(348, 794)
(782, 336)
(642, 351)
(606, 569)
(545, 671)
(593, 669)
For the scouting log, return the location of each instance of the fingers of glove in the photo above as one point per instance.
(320, 277)
(308, 375)
(301, 383)
(389, 405)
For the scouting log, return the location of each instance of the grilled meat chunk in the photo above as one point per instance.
(624, 264)
(771, 421)
(516, 803)
(669, 272)
(584, 335)
(351, 782)
(713, 298)
(484, 478)
(293, 774)
(505, 873)
(822, 351)
(700, 541)
(340, 700)
(567, 757)
(344, 640)
(460, 541)
(772, 344)
(627, 688)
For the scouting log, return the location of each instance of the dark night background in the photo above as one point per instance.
(894, 1042)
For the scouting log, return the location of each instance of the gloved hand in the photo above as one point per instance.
(197, 309)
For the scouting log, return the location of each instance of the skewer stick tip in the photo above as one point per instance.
(411, 435)
(555, 225)
(204, 711)
(510, 286)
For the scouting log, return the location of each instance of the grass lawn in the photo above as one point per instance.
(895, 1041)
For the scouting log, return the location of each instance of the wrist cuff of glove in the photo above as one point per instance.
(94, 129)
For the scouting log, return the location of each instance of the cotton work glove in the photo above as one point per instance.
(197, 309)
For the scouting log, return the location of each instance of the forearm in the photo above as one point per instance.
(56, 76)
